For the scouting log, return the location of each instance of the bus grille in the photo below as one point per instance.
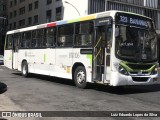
(140, 79)
(136, 73)
(137, 66)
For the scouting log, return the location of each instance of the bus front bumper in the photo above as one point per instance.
(118, 79)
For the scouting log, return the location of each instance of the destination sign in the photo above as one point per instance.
(103, 21)
(133, 20)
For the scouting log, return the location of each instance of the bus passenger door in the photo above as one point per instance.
(8, 52)
(101, 55)
(16, 38)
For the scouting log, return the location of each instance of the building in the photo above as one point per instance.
(24, 13)
(3, 28)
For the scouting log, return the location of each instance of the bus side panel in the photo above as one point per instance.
(8, 58)
(63, 63)
(43, 59)
(86, 60)
(24, 55)
(52, 61)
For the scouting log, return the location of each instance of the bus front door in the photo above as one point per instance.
(15, 51)
(101, 56)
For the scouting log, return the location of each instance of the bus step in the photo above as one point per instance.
(97, 79)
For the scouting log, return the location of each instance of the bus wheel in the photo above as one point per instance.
(25, 69)
(80, 77)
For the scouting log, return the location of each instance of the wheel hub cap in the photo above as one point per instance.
(80, 77)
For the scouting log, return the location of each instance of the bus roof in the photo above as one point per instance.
(110, 13)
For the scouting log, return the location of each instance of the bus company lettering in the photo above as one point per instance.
(103, 21)
(74, 55)
(29, 54)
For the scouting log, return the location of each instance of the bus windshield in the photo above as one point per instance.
(135, 44)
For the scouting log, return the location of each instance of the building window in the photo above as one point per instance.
(22, 1)
(30, 7)
(15, 13)
(21, 23)
(11, 3)
(30, 21)
(22, 10)
(15, 2)
(58, 13)
(14, 25)
(10, 26)
(4, 7)
(11, 15)
(48, 15)
(36, 19)
(49, 2)
(158, 4)
(36, 5)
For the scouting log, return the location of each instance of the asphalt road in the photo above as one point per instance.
(43, 93)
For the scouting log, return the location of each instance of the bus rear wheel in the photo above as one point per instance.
(80, 77)
(24, 69)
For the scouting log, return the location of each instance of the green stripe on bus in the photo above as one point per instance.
(73, 20)
(89, 56)
(124, 64)
(44, 57)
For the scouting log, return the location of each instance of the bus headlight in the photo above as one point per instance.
(154, 71)
(122, 70)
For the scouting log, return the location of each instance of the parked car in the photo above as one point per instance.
(1, 59)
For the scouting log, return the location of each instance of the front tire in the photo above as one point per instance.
(24, 69)
(80, 77)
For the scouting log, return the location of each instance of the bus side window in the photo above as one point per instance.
(84, 33)
(16, 41)
(44, 43)
(33, 42)
(51, 37)
(36, 38)
(26, 40)
(39, 38)
(9, 42)
(65, 35)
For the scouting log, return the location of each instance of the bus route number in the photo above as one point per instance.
(74, 55)
(123, 19)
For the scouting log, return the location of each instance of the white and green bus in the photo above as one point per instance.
(113, 48)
